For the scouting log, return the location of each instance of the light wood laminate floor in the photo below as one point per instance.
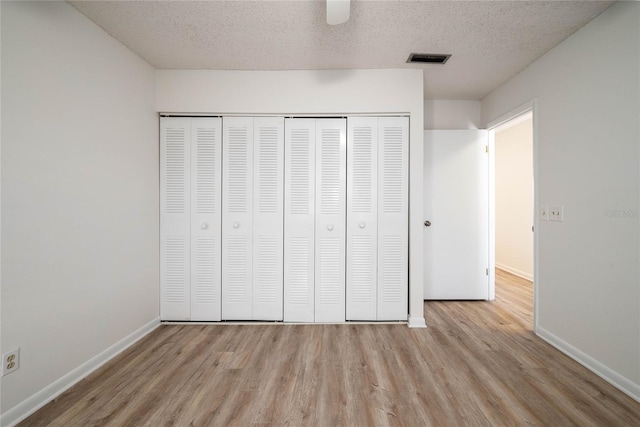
(478, 364)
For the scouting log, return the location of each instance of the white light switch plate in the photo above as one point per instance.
(556, 213)
(544, 213)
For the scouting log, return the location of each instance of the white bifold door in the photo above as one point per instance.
(315, 210)
(298, 219)
(252, 218)
(190, 217)
(377, 218)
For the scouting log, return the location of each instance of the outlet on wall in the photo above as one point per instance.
(10, 361)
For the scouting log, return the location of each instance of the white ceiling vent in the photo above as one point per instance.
(428, 58)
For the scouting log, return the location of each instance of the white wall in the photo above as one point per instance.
(588, 91)
(445, 114)
(314, 92)
(514, 198)
(80, 198)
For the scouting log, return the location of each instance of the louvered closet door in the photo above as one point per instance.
(299, 222)
(393, 214)
(362, 215)
(206, 216)
(331, 150)
(268, 145)
(175, 190)
(237, 197)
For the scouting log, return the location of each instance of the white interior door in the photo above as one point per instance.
(299, 220)
(456, 244)
(268, 145)
(362, 218)
(393, 218)
(331, 168)
(175, 278)
(237, 208)
(206, 217)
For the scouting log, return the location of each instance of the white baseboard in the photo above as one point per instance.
(30, 405)
(612, 377)
(417, 322)
(515, 271)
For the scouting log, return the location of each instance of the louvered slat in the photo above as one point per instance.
(362, 244)
(207, 155)
(206, 218)
(299, 220)
(330, 220)
(175, 136)
(268, 207)
(330, 279)
(393, 170)
(175, 271)
(393, 223)
(301, 174)
(300, 278)
(237, 222)
(204, 274)
(394, 270)
(236, 275)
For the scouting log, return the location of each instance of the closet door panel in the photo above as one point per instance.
(299, 214)
(393, 222)
(330, 220)
(175, 191)
(206, 217)
(268, 207)
(237, 232)
(362, 209)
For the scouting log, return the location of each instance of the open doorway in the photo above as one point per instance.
(513, 240)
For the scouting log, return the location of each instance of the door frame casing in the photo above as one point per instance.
(530, 106)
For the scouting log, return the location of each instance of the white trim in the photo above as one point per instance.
(341, 115)
(30, 405)
(515, 271)
(530, 106)
(280, 323)
(515, 121)
(518, 111)
(491, 214)
(416, 322)
(609, 375)
(1, 349)
(536, 219)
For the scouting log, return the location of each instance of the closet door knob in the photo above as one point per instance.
(427, 223)
(204, 226)
(330, 227)
(236, 224)
(362, 224)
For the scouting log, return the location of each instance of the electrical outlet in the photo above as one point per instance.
(556, 213)
(544, 213)
(10, 361)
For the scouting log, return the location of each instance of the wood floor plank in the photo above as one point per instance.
(477, 364)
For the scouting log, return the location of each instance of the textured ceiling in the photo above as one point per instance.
(490, 40)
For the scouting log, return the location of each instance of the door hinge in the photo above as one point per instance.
(486, 148)
(486, 271)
